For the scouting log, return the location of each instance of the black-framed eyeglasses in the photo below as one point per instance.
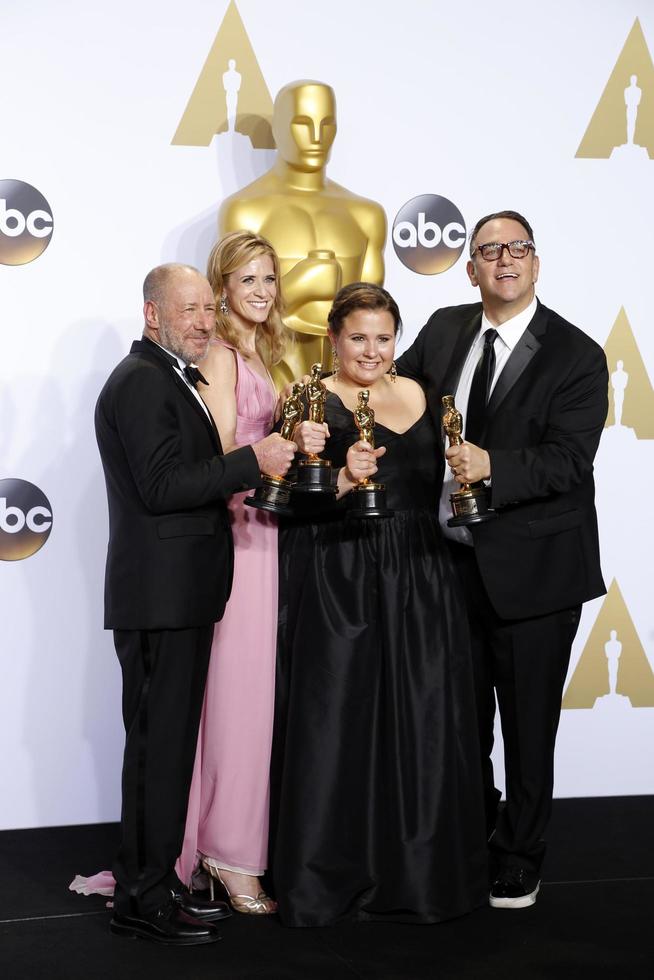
(492, 250)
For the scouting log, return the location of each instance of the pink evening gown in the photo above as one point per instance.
(227, 817)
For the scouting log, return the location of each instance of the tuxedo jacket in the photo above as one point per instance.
(170, 556)
(543, 426)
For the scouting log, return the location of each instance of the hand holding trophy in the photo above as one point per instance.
(470, 505)
(315, 473)
(367, 499)
(275, 492)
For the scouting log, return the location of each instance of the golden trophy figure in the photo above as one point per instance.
(274, 494)
(325, 236)
(470, 505)
(314, 474)
(367, 499)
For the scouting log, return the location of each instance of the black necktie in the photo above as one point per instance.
(193, 375)
(480, 389)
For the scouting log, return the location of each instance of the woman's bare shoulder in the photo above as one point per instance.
(410, 390)
(220, 361)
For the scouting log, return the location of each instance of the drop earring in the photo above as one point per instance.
(393, 372)
(335, 364)
(224, 308)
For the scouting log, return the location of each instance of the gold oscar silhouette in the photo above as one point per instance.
(274, 494)
(325, 235)
(622, 126)
(631, 396)
(613, 672)
(230, 95)
(368, 499)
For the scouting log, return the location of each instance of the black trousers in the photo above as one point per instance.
(164, 675)
(524, 664)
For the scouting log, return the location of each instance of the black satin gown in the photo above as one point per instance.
(377, 809)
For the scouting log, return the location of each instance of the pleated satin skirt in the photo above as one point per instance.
(377, 809)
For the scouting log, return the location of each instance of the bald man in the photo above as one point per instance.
(168, 578)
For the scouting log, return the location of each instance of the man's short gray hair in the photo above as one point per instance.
(157, 280)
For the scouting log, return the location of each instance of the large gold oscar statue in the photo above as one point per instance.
(325, 235)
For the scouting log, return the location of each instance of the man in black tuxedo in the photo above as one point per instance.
(168, 577)
(532, 389)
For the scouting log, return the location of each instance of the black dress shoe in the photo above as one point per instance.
(514, 888)
(200, 908)
(169, 924)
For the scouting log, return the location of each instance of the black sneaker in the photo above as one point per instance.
(514, 888)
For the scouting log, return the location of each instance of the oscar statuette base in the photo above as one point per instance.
(273, 495)
(470, 506)
(314, 475)
(368, 500)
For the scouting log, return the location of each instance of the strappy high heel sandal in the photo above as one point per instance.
(262, 904)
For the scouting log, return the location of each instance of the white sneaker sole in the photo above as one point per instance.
(521, 902)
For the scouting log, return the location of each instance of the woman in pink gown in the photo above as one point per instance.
(227, 821)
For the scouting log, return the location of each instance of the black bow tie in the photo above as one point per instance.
(193, 375)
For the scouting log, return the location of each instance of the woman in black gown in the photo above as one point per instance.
(377, 809)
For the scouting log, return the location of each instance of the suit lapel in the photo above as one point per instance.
(465, 336)
(462, 345)
(206, 417)
(147, 346)
(520, 356)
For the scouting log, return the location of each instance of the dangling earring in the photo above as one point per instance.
(335, 364)
(393, 372)
(224, 308)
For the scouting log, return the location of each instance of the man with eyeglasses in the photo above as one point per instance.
(533, 392)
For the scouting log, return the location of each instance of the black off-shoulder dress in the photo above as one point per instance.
(377, 809)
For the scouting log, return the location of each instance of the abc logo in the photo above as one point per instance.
(429, 234)
(25, 519)
(26, 223)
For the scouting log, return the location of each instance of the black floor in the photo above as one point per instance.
(594, 918)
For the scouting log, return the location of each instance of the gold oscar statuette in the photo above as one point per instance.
(325, 235)
(314, 474)
(470, 505)
(367, 499)
(274, 494)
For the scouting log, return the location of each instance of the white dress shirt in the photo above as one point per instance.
(508, 335)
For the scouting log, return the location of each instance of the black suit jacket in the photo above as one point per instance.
(170, 557)
(544, 422)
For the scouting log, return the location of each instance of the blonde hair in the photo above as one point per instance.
(228, 255)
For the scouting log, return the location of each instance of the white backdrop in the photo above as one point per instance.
(482, 105)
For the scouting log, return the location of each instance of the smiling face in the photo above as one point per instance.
(250, 292)
(183, 318)
(507, 284)
(365, 346)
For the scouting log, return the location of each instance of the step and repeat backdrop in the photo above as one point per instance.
(125, 125)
